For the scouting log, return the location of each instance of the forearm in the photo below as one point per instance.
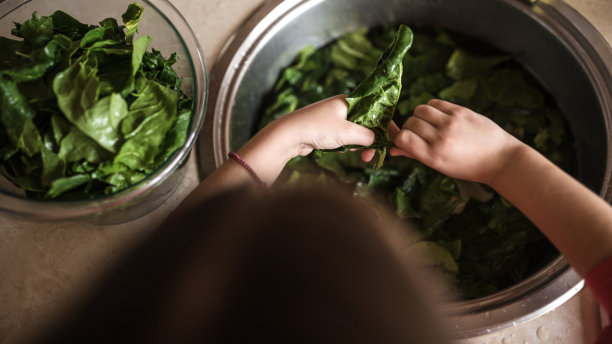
(322, 125)
(266, 154)
(269, 150)
(577, 221)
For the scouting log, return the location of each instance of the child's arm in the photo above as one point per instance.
(321, 125)
(463, 144)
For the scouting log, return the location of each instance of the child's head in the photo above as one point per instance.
(301, 266)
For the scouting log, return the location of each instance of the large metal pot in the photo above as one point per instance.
(561, 49)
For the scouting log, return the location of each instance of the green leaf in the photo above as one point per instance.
(508, 87)
(140, 46)
(373, 102)
(177, 134)
(101, 122)
(9, 49)
(463, 65)
(53, 166)
(36, 64)
(346, 166)
(65, 24)
(156, 67)
(354, 51)
(406, 195)
(77, 146)
(77, 91)
(115, 70)
(59, 128)
(432, 254)
(63, 185)
(286, 102)
(150, 116)
(113, 31)
(131, 19)
(92, 36)
(460, 92)
(36, 31)
(17, 117)
(117, 176)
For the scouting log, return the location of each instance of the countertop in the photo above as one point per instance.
(43, 266)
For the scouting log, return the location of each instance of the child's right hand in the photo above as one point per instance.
(455, 141)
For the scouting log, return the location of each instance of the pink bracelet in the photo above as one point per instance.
(246, 166)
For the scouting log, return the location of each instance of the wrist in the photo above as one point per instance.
(515, 164)
(268, 151)
(289, 138)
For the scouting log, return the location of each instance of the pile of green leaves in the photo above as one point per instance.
(470, 234)
(85, 110)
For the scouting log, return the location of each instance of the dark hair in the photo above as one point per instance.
(296, 267)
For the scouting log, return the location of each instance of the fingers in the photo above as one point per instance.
(337, 105)
(420, 127)
(430, 114)
(395, 151)
(410, 145)
(368, 154)
(444, 106)
(393, 130)
(356, 134)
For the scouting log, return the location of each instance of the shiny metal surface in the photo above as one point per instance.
(561, 49)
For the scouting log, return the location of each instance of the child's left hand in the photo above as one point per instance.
(322, 125)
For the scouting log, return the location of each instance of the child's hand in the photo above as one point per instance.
(322, 125)
(455, 141)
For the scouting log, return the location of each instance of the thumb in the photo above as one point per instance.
(396, 151)
(356, 134)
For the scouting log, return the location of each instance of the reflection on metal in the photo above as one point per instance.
(555, 43)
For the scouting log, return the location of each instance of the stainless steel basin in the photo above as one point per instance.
(556, 44)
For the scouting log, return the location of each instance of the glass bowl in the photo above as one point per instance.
(170, 33)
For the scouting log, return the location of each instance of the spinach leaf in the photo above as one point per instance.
(346, 166)
(150, 117)
(463, 65)
(131, 18)
(9, 49)
(66, 25)
(36, 31)
(17, 114)
(354, 51)
(155, 67)
(62, 185)
(177, 134)
(77, 89)
(76, 146)
(508, 87)
(373, 102)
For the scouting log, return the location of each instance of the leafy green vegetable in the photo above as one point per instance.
(150, 117)
(471, 234)
(131, 18)
(373, 102)
(86, 110)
